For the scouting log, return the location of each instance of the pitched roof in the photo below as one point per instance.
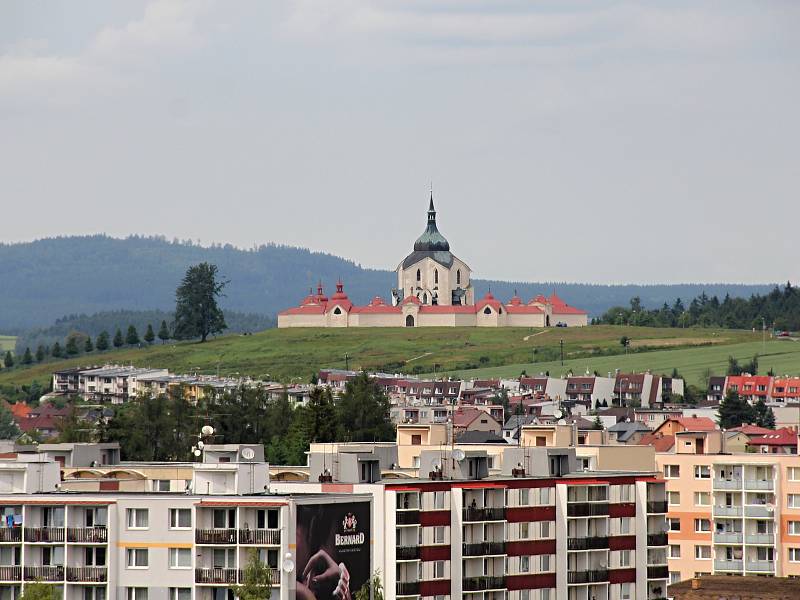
(690, 424)
(780, 437)
(466, 415)
(661, 443)
(625, 430)
(480, 437)
(749, 429)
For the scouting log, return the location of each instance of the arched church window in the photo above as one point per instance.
(419, 275)
(436, 276)
(424, 298)
(487, 311)
(458, 277)
(337, 311)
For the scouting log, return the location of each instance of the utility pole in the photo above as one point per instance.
(763, 335)
(346, 361)
(562, 352)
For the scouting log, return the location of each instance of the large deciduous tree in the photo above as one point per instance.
(363, 412)
(197, 313)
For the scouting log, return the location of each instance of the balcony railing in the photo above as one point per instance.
(260, 537)
(87, 535)
(11, 534)
(760, 566)
(215, 575)
(477, 584)
(727, 511)
(215, 536)
(589, 576)
(727, 565)
(657, 506)
(484, 549)
(10, 573)
(587, 510)
(485, 514)
(90, 574)
(727, 537)
(407, 517)
(760, 538)
(657, 539)
(727, 484)
(275, 576)
(408, 588)
(758, 512)
(407, 552)
(587, 543)
(759, 484)
(44, 534)
(658, 572)
(44, 573)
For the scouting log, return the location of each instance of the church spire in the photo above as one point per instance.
(431, 211)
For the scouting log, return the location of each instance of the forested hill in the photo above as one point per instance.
(44, 280)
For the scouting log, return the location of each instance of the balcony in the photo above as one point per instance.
(588, 543)
(87, 574)
(275, 576)
(759, 484)
(727, 484)
(260, 537)
(407, 552)
(215, 536)
(87, 535)
(727, 537)
(10, 573)
(407, 517)
(46, 535)
(591, 576)
(485, 514)
(478, 584)
(587, 510)
(657, 539)
(215, 575)
(658, 572)
(763, 539)
(484, 549)
(727, 565)
(760, 566)
(727, 511)
(657, 506)
(11, 534)
(55, 573)
(758, 512)
(408, 588)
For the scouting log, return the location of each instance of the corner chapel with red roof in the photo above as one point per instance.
(434, 289)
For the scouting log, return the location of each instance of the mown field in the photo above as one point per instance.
(7, 342)
(295, 354)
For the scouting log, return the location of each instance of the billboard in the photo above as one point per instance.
(334, 552)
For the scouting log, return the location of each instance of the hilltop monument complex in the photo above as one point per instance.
(434, 289)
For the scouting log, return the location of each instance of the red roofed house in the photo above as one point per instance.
(779, 441)
(750, 387)
(680, 424)
(433, 290)
(474, 419)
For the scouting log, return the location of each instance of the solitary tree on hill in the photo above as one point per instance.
(57, 352)
(41, 353)
(119, 341)
(27, 358)
(149, 336)
(102, 341)
(196, 311)
(132, 337)
(8, 361)
(163, 332)
(88, 346)
(71, 347)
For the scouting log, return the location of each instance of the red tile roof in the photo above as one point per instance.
(662, 443)
(780, 437)
(751, 429)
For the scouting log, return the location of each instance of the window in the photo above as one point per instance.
(416, 440)
(524, 564)
(794, 527)
(674, 576)
(161, 485)
(267, 518)
(419, 275)
(702, 472)
(544, 594)
(436, 276)
(625, 591)
(544, 529)
(625, 525)
(136, 558)
(702, 499)
(180, 518)
(544, 495)
(138, 518)
(674, 551)
(702, 552)
(524, 531)
(524, 497)
(94, 593)
(794, 473)
(438, 499)
(624, 558)
(794, 554)
(136, 593)
(626, 493)
(224, 518)
(674, 498)
(438, 569)
(94, 556)
(674, 523)
(702, 525)
(672, 471)
(180, 558)
(438, 535)
(544, 563)
(793, 501)
(180, 593)
(524, 595)
(458, 277)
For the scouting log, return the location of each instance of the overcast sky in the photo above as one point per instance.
(592, 141)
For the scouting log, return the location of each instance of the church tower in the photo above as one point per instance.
(431, 273)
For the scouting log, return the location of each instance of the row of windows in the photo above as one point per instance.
(181, 518)
(704, 472)
(140, 593)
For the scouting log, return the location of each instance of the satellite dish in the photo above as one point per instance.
(201, 445)
(558, 413)
(207, 430)
(561, 422)
(437, 464)
(458, 454)
(248, 454)
(288, 564)
(197, 453)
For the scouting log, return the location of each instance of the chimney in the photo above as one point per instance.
(696, 583)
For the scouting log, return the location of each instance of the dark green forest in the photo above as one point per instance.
(779, 310)
(44, 280)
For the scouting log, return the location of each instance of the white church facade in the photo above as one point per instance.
(434, 289)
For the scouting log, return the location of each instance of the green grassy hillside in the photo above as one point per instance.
(287, 354)
(7, 342)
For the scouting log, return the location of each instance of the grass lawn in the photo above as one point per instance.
(295, 354)
(7, 342)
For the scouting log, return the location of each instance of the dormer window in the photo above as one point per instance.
(487, 311)
(337, 311)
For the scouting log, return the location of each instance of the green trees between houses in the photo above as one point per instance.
(165, 427)
(8, 428)
(256, 579)
(735, 411)
(36, 590)
(196, 311)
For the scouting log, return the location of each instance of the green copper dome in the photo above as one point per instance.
(431, 240)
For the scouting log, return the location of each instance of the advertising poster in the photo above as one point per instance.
(334, 554)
